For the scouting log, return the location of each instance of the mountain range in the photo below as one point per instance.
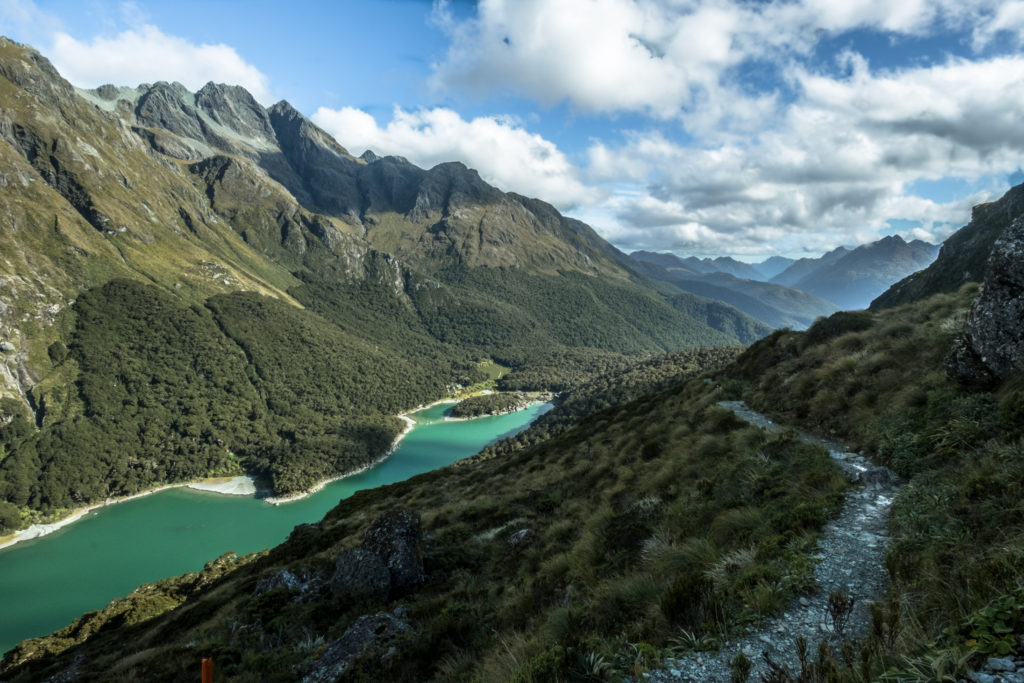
(215, 259)
(641, 503)
(843, 278)
(194, 285)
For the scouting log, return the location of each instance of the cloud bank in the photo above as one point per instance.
(146, 55)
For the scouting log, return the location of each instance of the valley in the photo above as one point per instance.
(196, 286)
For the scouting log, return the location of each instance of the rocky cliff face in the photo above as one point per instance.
(993, 345)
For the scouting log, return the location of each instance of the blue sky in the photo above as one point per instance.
(702, 127)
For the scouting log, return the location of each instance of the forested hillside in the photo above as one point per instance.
(195, 285)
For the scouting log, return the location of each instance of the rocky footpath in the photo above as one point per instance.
(851, 565)
(999, 670)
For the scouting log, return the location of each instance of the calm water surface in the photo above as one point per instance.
(47, 582)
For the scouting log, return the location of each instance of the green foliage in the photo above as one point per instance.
(497, 309)
(836, 325)
(992, 630)
(741, 666)
(10, 517)
(164, 397)
(620, 382)
(488, 404)
(957, 527)
(172, 393)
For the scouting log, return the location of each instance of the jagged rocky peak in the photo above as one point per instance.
(293, 129)
(452, 183)
(233, 107)
(172, 107)
(225, 117)
(32, 72)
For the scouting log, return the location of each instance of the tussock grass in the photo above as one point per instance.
(958, 524)
(665, 513)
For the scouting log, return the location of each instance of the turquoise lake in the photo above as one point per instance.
(45, 583)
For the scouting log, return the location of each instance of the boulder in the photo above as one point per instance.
(368, 631)
(395, 537)
(361, 576)
(993, 344)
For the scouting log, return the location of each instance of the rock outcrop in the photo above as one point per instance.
(993, 344)
(388, 562)
(367, 631)
(395, 537)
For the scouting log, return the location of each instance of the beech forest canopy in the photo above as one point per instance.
(167, 392)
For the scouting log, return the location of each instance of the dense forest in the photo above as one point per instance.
(162, 391)
(489, 404)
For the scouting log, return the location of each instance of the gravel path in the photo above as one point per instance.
(852, 560)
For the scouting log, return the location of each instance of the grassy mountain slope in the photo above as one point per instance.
(877, 380)
(615, 524)
(641, 518)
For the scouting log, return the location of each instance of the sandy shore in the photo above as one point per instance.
(229, 486)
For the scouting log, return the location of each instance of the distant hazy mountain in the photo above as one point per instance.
(848, 279)
(772, 304)
(772, 266)
(805, 267)
(853, 280)
(722, 264)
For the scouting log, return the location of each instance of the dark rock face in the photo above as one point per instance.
(370, 630)
(233, 107)
(168, 106)
(449, 184)
(361, 575)
(389, 560)
(994, 342)
(396, 538)
(324, 169)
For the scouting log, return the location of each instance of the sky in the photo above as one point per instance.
(702, 127)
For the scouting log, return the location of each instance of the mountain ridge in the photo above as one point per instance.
(214, 210)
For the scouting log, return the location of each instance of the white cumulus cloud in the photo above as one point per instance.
(664, 58)
(501, 150)
(147, 55)
(836, 167)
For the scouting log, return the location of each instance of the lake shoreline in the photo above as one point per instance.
(213, 484)
(222, 485)
(409, 424)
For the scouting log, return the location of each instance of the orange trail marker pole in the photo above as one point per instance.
(207, 670)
